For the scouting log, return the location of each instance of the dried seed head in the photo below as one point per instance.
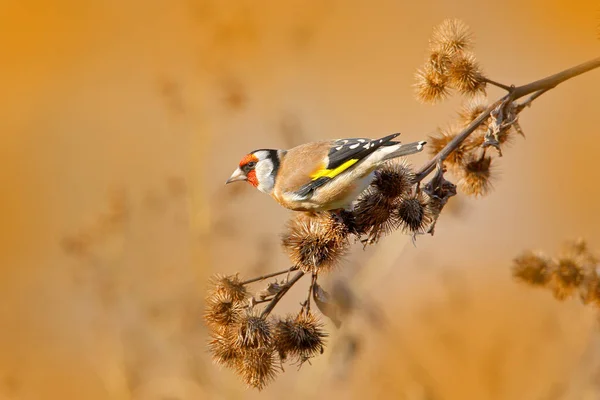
(476, 175)
(253, 331)
(221, 310)
(533, 268)
(439, 61)
(375, 215)
(394, 179)
(223, 348)
(477, 139)
(316, 242)
(229, 285)
(301, 337)
(374, 211)
(579, 267)
(566, 278)
(471, 109)
(578, 252)
(430, 87)
(257, 367)
(589, 290)
(451, 35)
(466, 75)
(414, 213)
(441, 140)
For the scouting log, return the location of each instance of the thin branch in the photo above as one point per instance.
(498, 84)
(263, 277)
(530, 99)
(281, 293)
(539, 87)
(553, 80)
(310, 290)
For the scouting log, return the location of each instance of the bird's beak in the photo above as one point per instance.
(238, 175)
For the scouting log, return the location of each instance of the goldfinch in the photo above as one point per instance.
(320, 176)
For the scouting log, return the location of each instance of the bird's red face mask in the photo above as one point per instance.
(246, 171)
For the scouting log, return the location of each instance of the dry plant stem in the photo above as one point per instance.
(281, 293)
(530, 99)
(500, 85)
(263, 277)
(310, 289)
(553, 80)
(540, 86)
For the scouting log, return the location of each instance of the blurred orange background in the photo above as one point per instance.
(120, 122)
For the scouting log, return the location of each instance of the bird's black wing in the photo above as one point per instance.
(343, 154)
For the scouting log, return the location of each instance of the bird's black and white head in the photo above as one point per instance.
(259, 168)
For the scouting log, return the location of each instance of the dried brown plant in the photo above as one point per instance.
(254, 343)
(315, 242)
(301, 336)
(431, 86)
(574, 270)
(476, 175)
(414, 213)
(375, 213)
(451, 36)
(534, 268)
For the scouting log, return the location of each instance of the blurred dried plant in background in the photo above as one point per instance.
(576, 270)
(255, 343)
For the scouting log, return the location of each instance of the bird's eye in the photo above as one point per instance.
(251, 165)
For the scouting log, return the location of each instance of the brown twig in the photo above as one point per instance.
(313, 281)
(281, 293)
(263, 277)
(538, 87)
(530, 99)
(498, 84)
(553, 80)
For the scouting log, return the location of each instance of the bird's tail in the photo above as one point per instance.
(405, 150)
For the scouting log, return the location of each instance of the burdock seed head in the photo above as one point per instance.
(430, 87)
(466, 75)
(452, 35)
(394, 179)
(414, 213)
(589, 290)
(578, 252)
(374, 211)
(577, 269)
(475, 175)
(439, 61)
(374, 214)
(441, 140)
(257, 367)
(471, 109)
(301, 337)
(316, 242)
(222, 346)
(566, 278)
(533, 268)
(229, 285)
(221, 310)
(253, 331)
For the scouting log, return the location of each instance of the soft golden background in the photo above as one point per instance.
(121, 120)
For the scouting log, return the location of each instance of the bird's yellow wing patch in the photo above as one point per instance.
(331, 173)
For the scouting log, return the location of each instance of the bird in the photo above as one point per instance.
(323, 175)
